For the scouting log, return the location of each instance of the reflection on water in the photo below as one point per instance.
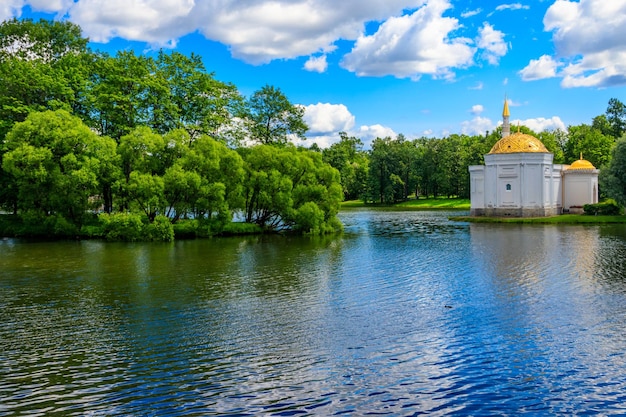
(407, 313)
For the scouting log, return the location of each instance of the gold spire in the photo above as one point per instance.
(505, 111)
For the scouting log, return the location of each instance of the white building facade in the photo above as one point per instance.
(519, 179)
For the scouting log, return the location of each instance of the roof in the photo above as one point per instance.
(518, 143)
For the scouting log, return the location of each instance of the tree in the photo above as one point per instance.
(121, 91)
(56, 162)
(591, 143)
(43, 66)
(613, 176)
(206, 182)
(347, 156)
(270, 117)
(291, 189)
(616, 116)
(196, 101)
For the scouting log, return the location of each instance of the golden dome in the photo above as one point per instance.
(517, 143)
(581, 164)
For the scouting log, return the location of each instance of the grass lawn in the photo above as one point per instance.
(420, 204)
(562, 219)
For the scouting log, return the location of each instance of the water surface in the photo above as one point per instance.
(407, 313)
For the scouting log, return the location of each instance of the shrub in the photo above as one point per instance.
(160, 230)
(606, 208)
(122, 226)
(185, 229)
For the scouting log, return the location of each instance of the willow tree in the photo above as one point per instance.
(291, 189)
(56, 163)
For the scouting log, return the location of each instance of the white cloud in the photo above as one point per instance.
(10, 9)
(367, 134)
(477, 126)
(513, 6)
(316, 64)
(471, 13)
(262, 30)
(477, 109)
(492, 41)
(325, 118)
(540, 124)
(412, 45)
(537, 69)
(478, 86)
(159, 22)
(589, 40)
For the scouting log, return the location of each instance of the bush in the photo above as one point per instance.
(606, 208)
(160, 230)
(122, 226)
(185, 229)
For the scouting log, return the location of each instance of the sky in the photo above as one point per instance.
(378, 68)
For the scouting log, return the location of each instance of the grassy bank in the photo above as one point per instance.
(562, 219)
(419, 204)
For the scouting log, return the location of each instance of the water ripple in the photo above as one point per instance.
(407, 314)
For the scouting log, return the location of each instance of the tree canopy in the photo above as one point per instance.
(156, 140)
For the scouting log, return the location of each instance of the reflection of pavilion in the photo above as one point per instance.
(520, 180)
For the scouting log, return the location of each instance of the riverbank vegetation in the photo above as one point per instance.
(442, 203)
(154, 147)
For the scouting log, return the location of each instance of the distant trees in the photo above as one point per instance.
(352, 162)
(613, 175)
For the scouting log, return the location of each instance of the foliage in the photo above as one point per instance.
(591, 143)
(347, 156)
(55, 162)
(613, 176)
(605, 208)
(151, 137)
(616, 117)
(271, 118)
(280, 181)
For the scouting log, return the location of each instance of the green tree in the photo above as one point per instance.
(616, 116)
(207, 181)
(591, 143)
(613, 175)
(56, 162)
(121, 92)
(43, 66)
(291, 189)
(271, 118)
(197, 102)
(348, 157)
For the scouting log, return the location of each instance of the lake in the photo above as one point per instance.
(406, 313)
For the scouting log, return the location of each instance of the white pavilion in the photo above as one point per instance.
(519, 179)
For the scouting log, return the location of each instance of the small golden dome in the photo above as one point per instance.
(581, 164)
(517, 143)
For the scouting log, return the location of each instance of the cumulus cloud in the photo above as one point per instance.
(477, 126)
(413, 37)
(540, 124)
(477, 109)
(537, 69)
(492, 43)
(11, 8)
(367, 134)
(325, 118)
(316, 64)
(588, 36)
(412, 45)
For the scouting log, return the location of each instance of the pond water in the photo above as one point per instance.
(407, 313)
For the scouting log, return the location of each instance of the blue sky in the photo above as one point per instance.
(383, 67)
